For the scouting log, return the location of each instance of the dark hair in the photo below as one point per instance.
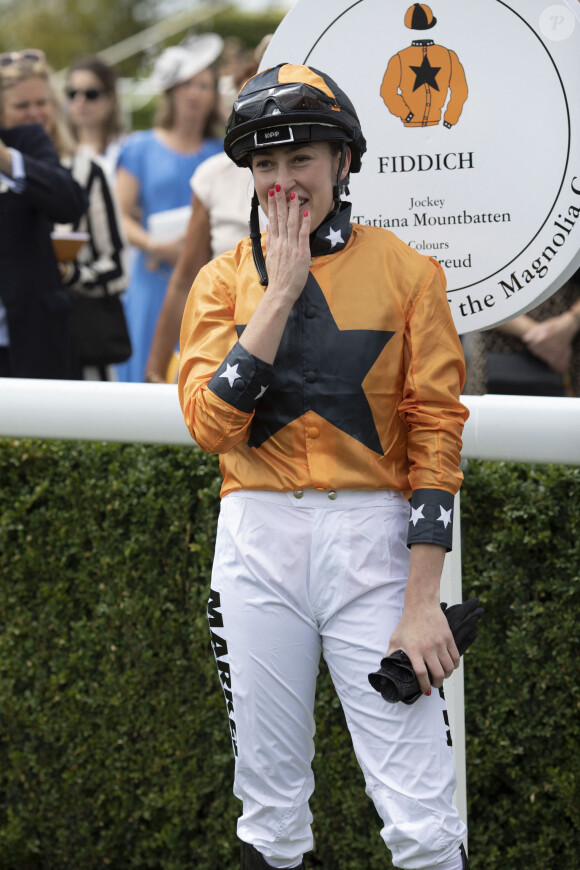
(165, 114)
(108, 78)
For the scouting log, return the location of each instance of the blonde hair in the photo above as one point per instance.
(21, 71)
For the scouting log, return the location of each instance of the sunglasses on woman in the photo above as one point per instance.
(90, 94)
(30, 55)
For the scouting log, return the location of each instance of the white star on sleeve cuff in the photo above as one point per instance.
(445, 517)
(417, 514)
(231, 373)
(261, 393)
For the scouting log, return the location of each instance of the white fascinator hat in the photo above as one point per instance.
(179, 63)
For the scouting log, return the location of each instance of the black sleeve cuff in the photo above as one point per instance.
(242, 379)
(409, 117)
(447, 124)
(431, 520)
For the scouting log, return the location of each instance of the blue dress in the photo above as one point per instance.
(164, 176)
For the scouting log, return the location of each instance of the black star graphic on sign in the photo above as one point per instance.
(320, 368)
(426, 74)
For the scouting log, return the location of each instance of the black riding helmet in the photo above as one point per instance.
(292, 103)
(285, 104)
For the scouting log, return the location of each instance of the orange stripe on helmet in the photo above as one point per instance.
(290, 73)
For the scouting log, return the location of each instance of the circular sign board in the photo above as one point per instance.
(471, 113)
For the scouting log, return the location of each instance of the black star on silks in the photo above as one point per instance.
(320, 368)
(425, 74)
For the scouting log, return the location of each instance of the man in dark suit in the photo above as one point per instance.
(35, 192)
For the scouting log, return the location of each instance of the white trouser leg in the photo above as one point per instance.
(273, 653)
(287, 573)
(403, 750)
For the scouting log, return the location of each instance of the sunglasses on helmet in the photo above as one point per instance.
(90, 94)
(293, 98)
(30, 55)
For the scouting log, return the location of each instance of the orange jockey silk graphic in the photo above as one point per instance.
(417, 82)
(377, 286)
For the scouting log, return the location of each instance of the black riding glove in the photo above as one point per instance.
(396, 680)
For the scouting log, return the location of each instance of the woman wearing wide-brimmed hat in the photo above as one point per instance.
(153, 175)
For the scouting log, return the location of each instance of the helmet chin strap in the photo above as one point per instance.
(341, 185)
(256, 235)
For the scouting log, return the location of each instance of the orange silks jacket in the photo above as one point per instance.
(364, 391)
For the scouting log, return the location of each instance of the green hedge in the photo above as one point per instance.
(114, 746)
(521, 556)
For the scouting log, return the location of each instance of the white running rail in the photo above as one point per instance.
(516, 428)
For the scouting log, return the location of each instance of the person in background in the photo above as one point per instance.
(222, 194)
(93, 109)
(232, 57)
(154, 170)
(322, 364)
(35, 191)
(29, 96)
(236, 66)
(535, 354)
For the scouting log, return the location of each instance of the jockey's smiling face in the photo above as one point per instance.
(307, 169)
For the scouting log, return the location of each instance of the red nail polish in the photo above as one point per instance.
(428, 693)
(305, 212)
(278, 188)
(270, 193)
(292, 195)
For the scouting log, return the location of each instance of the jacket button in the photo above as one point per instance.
(332, 494)
(298, 494)
(313, 432)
